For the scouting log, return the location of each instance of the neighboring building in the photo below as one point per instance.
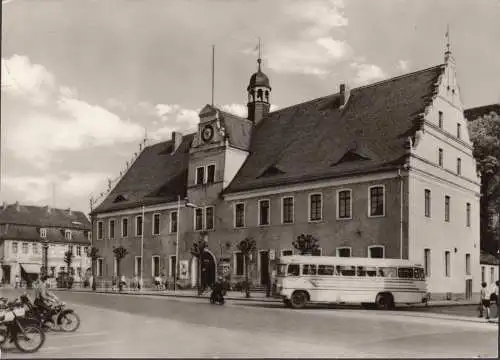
(489, 268)
(383, 170)
(25, 229)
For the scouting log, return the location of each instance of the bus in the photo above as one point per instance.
(349, 280)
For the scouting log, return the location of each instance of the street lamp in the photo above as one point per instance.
(45, 256)
(177, 262)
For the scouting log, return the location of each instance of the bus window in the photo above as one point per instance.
(308, 269)
(419, 273)
(346, 270)
(361, 271)
(371, 271)
(387, 272)
(326, 270)
(405, 273)
(293, 270)
(281, 270)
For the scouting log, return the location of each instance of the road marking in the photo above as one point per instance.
(100, 343)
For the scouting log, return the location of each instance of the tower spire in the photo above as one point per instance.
(259, 60)
(447, 53)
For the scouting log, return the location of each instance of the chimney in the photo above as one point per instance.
(68, 210)
(18, 206)
(4, 205)
(345, 92)
(47, 208)
(176, 140)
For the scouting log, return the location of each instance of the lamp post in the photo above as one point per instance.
(45, 256)
(177, 262)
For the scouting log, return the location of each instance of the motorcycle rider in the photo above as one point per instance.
(218, 290)
(44, 299)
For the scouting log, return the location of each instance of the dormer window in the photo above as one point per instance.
(43, 233)
(205, 174)
(67, 234)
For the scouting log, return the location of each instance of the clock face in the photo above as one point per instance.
(207, 133)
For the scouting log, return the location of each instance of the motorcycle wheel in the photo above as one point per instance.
(68, 321)
(32, 339)
(3, 334)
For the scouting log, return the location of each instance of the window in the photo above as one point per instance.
(346, 270)
(467, 264)
(447, 263)
(200, 175)
(264, 213)
(111, 229)
(377, 201)
(35, 248)
(459, 131)
(344, 252)
(483, 274)
(25, 247)
(447, 208)
(14, 248)
(293, 270)
(209, 218)
(138, 266)
(309, 269)
(67, 234)
(287, 252)
(492, 275)
(156, 224)
(210, 174)
(85, 250)
(239, 215)
(287, 210)
(467, 215)
(79, 271)
(344, 204)
(78, 250)
(440, 119)
(326, 270)
(427, 203)
(440, 157)
(155, 269)
(115, 266)
(239, 266)
(427, 262)
(376, 251)
(173, 222)
(405, 273)
(198, 219)
(89, 236)
(100, 230)
(124, 227)
(459, 166)
(43, 233)
(100, 267)
(138, 225)
(172, 266)
(315, 207)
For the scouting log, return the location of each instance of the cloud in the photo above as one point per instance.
(403, 65)
(174, 118)
(236, 109)
(367, 73)
(46, 117)
(313, 50)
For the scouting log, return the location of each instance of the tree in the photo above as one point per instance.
(197, 250)
(247, 246)
(93, 254)
(306, 244)
(485, 135)
(68, 259)
(120, 252)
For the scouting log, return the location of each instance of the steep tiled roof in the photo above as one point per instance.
(307, 141)
(32, 233)
(156, 176)
(479, 111)
(239, 130)
(41, 216)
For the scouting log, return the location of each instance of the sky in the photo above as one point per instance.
(85, 82)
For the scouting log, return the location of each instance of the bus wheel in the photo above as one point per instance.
(287, 303)
(384, 302)
(299, 299)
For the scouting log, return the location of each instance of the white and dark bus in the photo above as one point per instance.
(349, 280)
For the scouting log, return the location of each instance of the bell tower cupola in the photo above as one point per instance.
(259, 93)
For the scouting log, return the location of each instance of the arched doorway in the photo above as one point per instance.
(208, 269)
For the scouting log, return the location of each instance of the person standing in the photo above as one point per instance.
(485, 301)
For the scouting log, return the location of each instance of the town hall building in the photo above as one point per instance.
(383, 170)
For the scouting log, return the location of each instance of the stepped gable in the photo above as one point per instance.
(307, 141)
(158, 175)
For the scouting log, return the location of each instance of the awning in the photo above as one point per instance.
(31, 268)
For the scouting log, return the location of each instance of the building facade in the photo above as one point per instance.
(383, 170)
(26, 230)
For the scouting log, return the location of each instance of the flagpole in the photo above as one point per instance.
(142, 248)
(213, 72)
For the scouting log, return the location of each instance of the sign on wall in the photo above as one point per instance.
(184, 269)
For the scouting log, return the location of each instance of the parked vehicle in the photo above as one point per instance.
(350, 280)
(26, 334)
(58, 316)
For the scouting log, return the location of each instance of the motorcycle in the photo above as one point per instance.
(57, 316)
(217, 297)
(25, 333)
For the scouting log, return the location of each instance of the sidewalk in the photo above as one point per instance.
(238, 295)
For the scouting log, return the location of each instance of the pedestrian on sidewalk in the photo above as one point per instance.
(485, 301)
